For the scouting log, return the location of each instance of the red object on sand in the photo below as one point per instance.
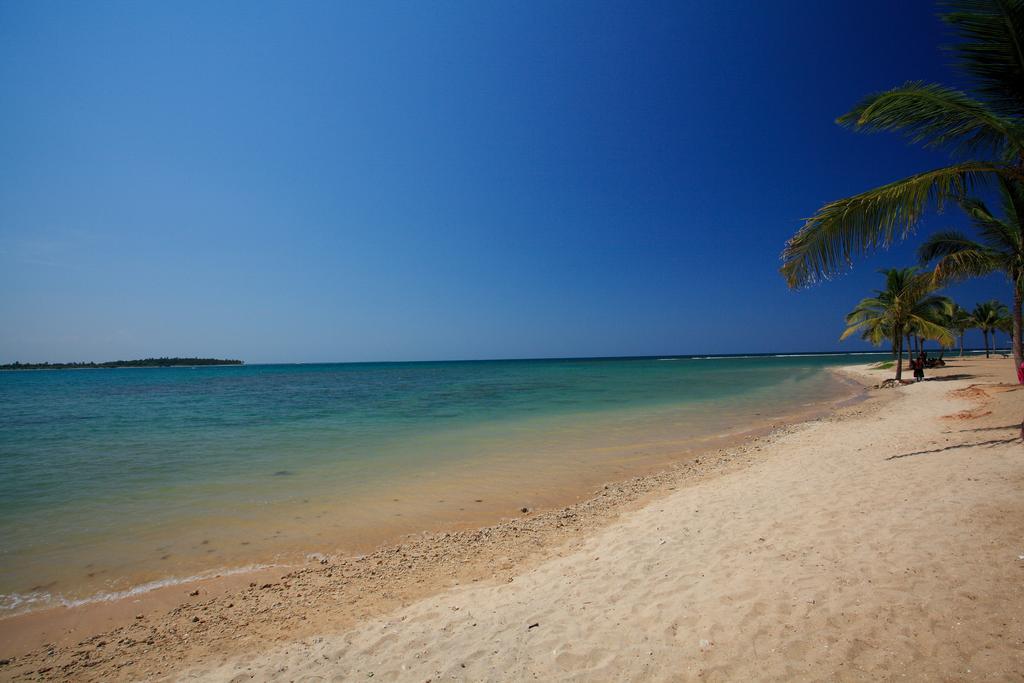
(1020, 373)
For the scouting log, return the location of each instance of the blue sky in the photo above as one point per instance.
(384, 181)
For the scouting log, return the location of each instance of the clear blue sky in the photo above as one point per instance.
(381, 181)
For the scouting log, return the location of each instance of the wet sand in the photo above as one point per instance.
(852, 546)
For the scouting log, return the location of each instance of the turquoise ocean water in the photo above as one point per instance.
(112, 480)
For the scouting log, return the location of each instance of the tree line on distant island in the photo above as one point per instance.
(141, 363)
(984, 126)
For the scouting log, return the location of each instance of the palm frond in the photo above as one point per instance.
(842, 229)
(943, 244)
(958, 257)
(965, 264)
(853, 329)
(992, 51)
(934, 116)
(995, 232)
(929, 329)
(875, 331)
(870, 316)
(1011, 195)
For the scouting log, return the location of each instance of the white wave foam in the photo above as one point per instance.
(18, 602)
(795, 355)
(836, 355)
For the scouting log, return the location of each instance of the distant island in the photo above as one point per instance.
(142, 363)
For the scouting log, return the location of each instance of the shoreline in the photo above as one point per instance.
(332, 597)
(667, 445)
(65, 625)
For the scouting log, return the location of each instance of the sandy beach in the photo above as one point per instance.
(505, 341)
(882, 541)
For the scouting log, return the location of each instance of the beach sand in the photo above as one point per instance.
(883, 541)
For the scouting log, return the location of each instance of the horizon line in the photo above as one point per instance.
(698, 356)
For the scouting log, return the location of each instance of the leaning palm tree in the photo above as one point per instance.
(906, 303)
(989, 317)
(1001, 249)
(983, 128)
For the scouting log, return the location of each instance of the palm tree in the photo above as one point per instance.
(905, 304)
(958, 322)
(984, 128)
(1001, 249)
(989, 317)
(1005, 324)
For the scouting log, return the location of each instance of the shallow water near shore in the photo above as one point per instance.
(114, 481)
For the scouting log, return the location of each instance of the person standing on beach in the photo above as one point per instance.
(918, 367)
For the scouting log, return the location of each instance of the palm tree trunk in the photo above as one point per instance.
(985, 333)
(899, 356)
(962, 344)
(1018, 343)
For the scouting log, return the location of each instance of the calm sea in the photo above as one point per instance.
(112, 480)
